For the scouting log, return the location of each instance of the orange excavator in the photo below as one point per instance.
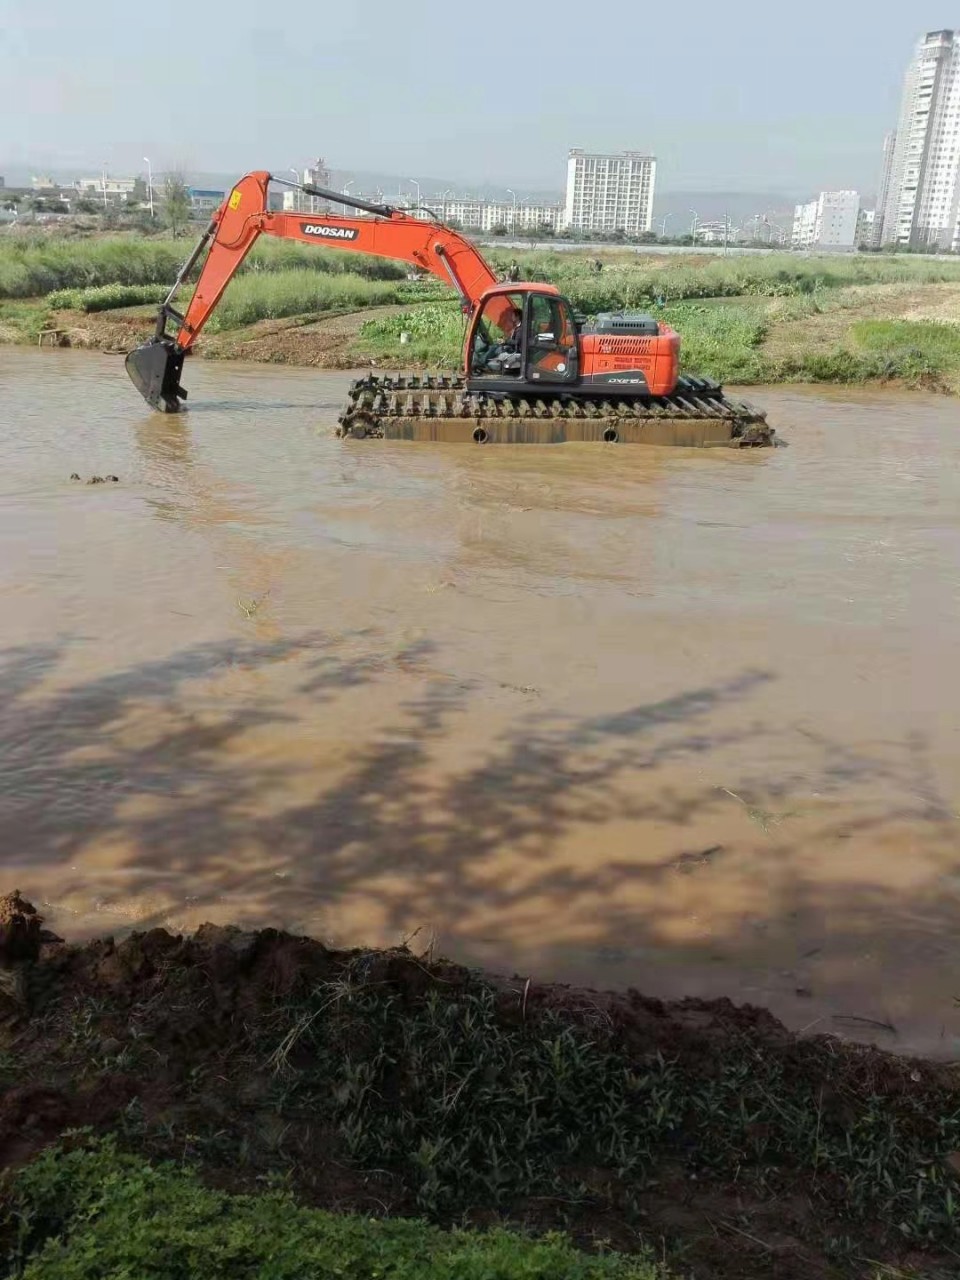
(533, 370)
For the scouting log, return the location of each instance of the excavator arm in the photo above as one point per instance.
(155, 367)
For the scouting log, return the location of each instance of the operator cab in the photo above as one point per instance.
(522, 338)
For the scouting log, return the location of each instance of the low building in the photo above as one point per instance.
(486, 215)
(106, 189)
(296, 201)
(714, 232)
(867, 235)
(204, 203)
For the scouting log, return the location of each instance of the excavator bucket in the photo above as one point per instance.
(155, 369)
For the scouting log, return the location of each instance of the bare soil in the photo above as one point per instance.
(825, 332)
(151, 1038)
(319, 342)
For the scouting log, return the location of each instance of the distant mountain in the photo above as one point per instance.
(713, 206)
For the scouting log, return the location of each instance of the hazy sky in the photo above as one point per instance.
(731, 95)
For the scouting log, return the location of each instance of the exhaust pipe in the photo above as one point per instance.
(155, 369)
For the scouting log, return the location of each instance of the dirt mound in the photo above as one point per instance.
(325, 342)
(19, 930)
(391, 1082)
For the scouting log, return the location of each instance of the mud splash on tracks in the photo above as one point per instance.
(387, 1082)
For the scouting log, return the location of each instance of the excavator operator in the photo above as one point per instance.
(500, 353)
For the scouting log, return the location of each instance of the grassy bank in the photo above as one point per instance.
(92, 1211)
(767, 318)
(273, 295)
(32, 267)
(630, 280)
(399, 1085)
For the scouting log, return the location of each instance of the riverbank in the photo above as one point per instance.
(906, 335)
(783, 318)
(395, 1084)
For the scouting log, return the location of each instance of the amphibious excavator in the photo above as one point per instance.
(533, 370)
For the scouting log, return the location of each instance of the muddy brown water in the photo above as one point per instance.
(624, 717)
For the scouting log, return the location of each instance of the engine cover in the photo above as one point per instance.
(625, 324)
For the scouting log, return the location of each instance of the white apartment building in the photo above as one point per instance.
(922, 175)
(867, 229)
(484, 215)
(610, 192)
(805, 225)
(830, 222)
(889, 150)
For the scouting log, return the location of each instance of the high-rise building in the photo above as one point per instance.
(889, 148)
(921, 208)
(867, 229)
(610, 192)
(830, 222)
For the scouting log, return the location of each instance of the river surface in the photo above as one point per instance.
(683, 721)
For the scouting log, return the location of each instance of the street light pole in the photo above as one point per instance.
(693, 229)
(149, 184)
(663, 224)
(298, 196)
(511, 192)
(417, 185)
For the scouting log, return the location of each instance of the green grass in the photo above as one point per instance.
(436, 335)
(916, 353)
(21, 321)
(466, 1109)
(92, 1213)
(721, 342)
(107, 297)
(928, 345)
(629, 280)
(31, 268)
(35, 266)
(272, 295)
(287, 255)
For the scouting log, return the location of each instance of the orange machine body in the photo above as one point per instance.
(611, 357)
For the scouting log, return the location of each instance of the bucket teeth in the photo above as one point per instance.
(407, 407)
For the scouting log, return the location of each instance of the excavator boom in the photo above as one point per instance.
(236, 227)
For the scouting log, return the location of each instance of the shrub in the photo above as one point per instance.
(94, 1214)
(31, 268)
(106, 297)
